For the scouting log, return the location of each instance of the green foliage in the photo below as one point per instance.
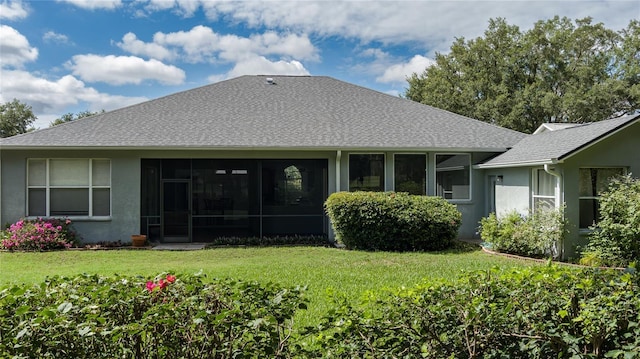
(535, 235)
(271, 241)
(69, 117)
(557, 71)
(392, 221)
(90, 316)
(15, 118)
(544, 312)
(615, 239)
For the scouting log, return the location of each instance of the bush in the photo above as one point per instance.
(392, 221)
(543, 312)
(615, 239)
(39, 235)
(90, 316)
(535, 235)
(271, 241)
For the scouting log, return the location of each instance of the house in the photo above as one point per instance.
(250, 156)
(566, 164)
(258, 156)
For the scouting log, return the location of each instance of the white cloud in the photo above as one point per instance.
(15, 48)
(433, 24)
(51, 36)
(202, 44)
(120, 70)
(259, 65)
(399, 72)
(95, 4)
(131, 44)
(13, 10)
(51, 98)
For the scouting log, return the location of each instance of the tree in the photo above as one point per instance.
(68, 117)
(15, 118)
(556, 72)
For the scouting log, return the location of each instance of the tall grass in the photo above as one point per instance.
(322, 270)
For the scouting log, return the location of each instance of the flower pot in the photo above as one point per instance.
(138, 240)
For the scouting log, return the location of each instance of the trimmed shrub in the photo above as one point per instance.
(392, 221)
(271, 241)
(90, 316)
(536, 235)
(615, 239)
(542, 312)
(39, 235)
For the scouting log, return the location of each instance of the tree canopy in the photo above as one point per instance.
(558, 71)
(15, 118)
(68, 117)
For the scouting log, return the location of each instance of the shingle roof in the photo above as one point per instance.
(551, 146)
(296, 112)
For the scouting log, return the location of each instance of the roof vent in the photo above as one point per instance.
(270, 81)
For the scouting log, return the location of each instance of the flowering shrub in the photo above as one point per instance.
(169, 316)
(39, 235)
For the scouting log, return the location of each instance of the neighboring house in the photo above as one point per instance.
(258, 156)
(565, 164)
(250, 156)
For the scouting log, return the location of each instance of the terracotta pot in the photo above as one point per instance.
(138, 240)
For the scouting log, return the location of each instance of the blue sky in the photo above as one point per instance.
(74, 55)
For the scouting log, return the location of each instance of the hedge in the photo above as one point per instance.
(542, 312)
(91, 316)
(392, 221)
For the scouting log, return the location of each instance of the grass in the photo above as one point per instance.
(321, 269)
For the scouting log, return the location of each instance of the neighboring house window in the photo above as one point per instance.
(69, 187)
(410, 173)
(592, 182)
(453, 176)
(366, 172)
(544, 189)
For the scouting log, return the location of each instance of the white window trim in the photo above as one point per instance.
(90, 187)
(597, 198)
(535, 187)
(426, 169)
(435, 176)
(384, 167)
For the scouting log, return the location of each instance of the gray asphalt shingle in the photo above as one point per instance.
(555, 145)
(296, 112)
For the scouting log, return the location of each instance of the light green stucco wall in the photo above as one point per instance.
(619, 150)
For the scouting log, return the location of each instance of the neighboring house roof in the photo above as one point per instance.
(554, 126)
(294, 112)
(555, 146)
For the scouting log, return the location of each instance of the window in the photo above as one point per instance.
(69, 187)
(592, 182)
(410, 173)
(453, 176)
(544, 189)
(366, 172)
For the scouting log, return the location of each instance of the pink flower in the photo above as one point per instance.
(150, 286)
(171, 278)
(162, 283)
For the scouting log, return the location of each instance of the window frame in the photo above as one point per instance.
(384, 168)
(470, 177)
(535, 188)
(596, 197)
(90, 187)
(426, 168)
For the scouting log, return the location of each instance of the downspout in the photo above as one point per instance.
(558, 197)
(558, 192)
(338, 159)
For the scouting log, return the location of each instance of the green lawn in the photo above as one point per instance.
(321, 269)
